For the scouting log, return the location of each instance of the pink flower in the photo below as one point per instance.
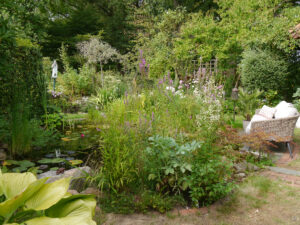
(82, 135)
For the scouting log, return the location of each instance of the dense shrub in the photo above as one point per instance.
(210, 177)
(73, 83)
(167, 164)
(263, 70)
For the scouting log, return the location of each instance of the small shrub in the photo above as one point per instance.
(263, 70)
(248, 102)
(210, 178)
(296, 101)
(73, 83)
(168, 163)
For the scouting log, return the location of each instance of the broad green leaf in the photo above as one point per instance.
(188, 167)
(78, 220)
(75, 210)
(19, 169)
(45, 221)
(9, 206)
(26, 163)
(48, 195)
(54, 161)
(68, 205)
(11, 162)
(61, 221)
(54, 168)
(76, 162)
(15, 183)
(151, 176)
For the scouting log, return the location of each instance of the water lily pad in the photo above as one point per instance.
(65, 139)
(10, 162)
(23, 163)
(19, 169)
(48, 161)
(54, 168)
(76, 162)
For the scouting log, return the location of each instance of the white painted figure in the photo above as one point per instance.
(54, 69)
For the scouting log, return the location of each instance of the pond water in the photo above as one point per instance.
(71, 150)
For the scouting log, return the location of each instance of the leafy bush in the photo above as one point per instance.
(248, 102)
(24, 199)
(263, 70)
(167, 164)
(73, 83)
(210, 177)
(296, 96)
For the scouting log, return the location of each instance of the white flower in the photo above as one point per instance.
(170, 88)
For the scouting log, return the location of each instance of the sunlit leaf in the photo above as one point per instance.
(9, 206)
(66, 139)
(48, 195)
(76, 162)
(54, 161)
(19, 182)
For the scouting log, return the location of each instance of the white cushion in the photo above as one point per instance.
(283, 104)
(267, 112)
(284, 110)
(254, 119)
(298, 123)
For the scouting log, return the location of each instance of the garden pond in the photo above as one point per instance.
(72, 150)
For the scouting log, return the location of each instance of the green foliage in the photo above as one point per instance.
(72, 83)
(263, 70)
(223, 33)
(248, 102)
(272, 97)
(26, 135)
(125, 203)
(119, 159)
(261, 161)
(32, 201)
(296, 102)
(103, 97)
(21, 166)
(167, 164)
(210, 177)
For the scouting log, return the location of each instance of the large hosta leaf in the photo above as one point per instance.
(75, 210)
(9, 206)
(45, 221)
(13, 184)
(48, 195)
(71, 206)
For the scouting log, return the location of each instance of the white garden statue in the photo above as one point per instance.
(54, 69)
(54, 73)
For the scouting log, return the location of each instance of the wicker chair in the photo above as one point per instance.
(278, 130)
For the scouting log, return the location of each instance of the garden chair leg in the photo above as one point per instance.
(290, 149)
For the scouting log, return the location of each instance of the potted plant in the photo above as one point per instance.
(248, 102)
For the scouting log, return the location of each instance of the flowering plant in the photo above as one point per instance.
(143, 66)
(56, 94)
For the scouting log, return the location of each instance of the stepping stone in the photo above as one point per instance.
(285, 171)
